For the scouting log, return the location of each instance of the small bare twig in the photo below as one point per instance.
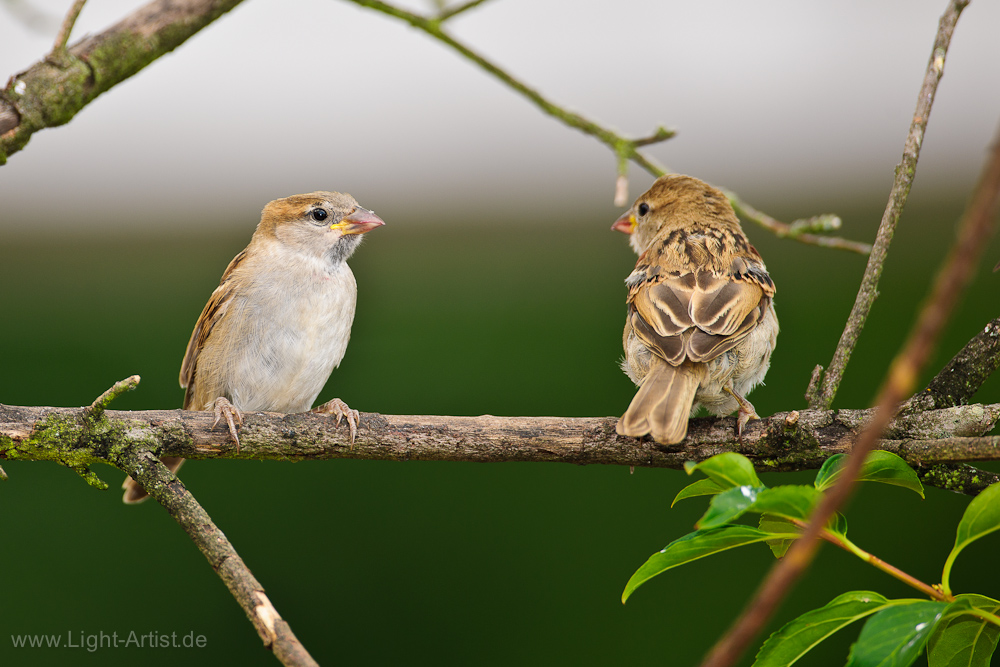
(59, 48)
(446, 14)
(797, 230)
(96, 409)
(820, 396)
(625, 149)
(975, 229)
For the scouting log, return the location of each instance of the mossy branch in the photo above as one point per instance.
(782, 442)
(53, 90)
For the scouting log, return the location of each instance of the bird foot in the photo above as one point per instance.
(223, 408)
(746, 411)
(341, 410)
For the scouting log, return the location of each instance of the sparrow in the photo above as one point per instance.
(700, 326)
(279, 321)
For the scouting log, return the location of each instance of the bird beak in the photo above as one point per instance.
(359, 221)
(625, 224)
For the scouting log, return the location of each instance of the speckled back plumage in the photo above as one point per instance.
(700, 311)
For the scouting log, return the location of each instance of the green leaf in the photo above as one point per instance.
(728, 469)
(963, 640)
(790, 501)
(801, 635)
(981, 517)
(829, 471)
(879, 466)
(729, 506)
(776, 524)
(895, 637)
(693, 546)
(703, 487)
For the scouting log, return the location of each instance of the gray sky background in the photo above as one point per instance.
(790, 103)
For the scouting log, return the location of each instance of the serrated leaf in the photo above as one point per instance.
(895, 637)
(776, 524)
(879, 466)
(728, 469)
(693, 546)
(801, 635)
(703, 487)
(790, 501)
(963, 640)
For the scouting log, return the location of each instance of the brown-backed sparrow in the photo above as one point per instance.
(701, 325)
(279, 321)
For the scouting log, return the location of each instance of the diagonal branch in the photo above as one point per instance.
(962, 377)
(52, 91)
(975, 229)
(823, 387)
(625, 149)
(170, 492)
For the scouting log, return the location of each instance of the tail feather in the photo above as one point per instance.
(135, 493)
(663, 403)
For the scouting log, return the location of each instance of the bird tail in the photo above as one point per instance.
(663, 403)
(135, 493)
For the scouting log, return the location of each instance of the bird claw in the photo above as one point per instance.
(341, 410)
(746, 411)
(223, 408)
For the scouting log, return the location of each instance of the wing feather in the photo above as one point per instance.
(213, 312)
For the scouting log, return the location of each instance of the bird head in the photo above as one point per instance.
(674, 201)
(324, 224)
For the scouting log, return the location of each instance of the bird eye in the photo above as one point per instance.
(319, 215)
(643, 208)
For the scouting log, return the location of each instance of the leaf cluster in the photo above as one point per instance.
(955, 630)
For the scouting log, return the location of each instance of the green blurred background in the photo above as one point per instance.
(428, 562)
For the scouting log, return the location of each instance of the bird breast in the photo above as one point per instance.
(294, 323)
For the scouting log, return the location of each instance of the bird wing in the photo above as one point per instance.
(213, 312)
(697, 314)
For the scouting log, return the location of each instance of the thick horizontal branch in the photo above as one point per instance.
(784, 441)
(53, 90)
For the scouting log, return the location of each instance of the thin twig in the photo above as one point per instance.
(446, 14)
(785, 230)
(975, 229)
(822, 398)
(170, 492)
(96, 409)
(59, 48)
(625, 149)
